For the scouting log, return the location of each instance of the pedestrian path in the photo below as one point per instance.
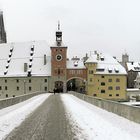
(65, 117)
(47, 122)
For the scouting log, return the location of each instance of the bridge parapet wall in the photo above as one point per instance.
(14, 100)
(130, 112)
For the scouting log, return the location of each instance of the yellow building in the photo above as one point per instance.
(106, 78)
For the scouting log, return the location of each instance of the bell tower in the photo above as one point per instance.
(58, 61)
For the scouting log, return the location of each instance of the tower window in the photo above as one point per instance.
(109, 80)
(29, 80)
(5, 81)
(17, 81)
(90, 71)
(58, 71)
(45, 80)
(103, 76)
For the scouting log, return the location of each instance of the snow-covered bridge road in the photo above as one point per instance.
(65, 117)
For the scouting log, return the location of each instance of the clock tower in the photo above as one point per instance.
(58, 62)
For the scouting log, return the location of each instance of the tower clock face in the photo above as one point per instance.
(58, 57)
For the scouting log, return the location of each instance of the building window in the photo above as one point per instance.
(6, 95)
(102, 91)
(30, 81)
(103, 76)
(102, 83)
(117, 80)
(45, 88)
(30, 88)
(17, 81)
(6, 88)
(117, 94)
(45, 80)
(17, 88)
(0, 88)
(94, 95)
(5, 81)
(90, 79)
(110, 95)
(117, 88)
(90, 71)
(110, 88)
(109, 80)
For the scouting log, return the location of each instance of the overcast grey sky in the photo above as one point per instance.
(110, 26)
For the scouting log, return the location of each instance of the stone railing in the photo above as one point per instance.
(14, 100)
(130, 112)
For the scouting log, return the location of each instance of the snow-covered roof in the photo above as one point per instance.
(135, 66)
(106, 64)
(75, 64)
(14, 56)
(92, 59)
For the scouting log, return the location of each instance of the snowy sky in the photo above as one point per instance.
(110, 26)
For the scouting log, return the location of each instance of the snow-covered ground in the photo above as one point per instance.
(92, 123)
(12, 116)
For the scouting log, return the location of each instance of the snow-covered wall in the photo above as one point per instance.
(130, 112)
(14, 100)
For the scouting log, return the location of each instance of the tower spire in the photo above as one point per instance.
(58, 35)
(58, 25)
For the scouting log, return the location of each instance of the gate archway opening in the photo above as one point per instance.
(77, 85)
(59, 86)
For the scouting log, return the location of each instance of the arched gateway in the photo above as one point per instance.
(64, 70)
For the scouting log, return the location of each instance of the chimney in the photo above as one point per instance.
(25, 67)
(45, 59)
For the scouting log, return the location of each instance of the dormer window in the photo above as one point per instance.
(102, 58)
(31, 59)
(32, 48)
(11, 49)
(116, 70)
(29, 73)
(30, 65)
(10, 54)
(7, 66)
(8, 60)
(31, 53)
(75, 64)
(110, 70)
(5, 72)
